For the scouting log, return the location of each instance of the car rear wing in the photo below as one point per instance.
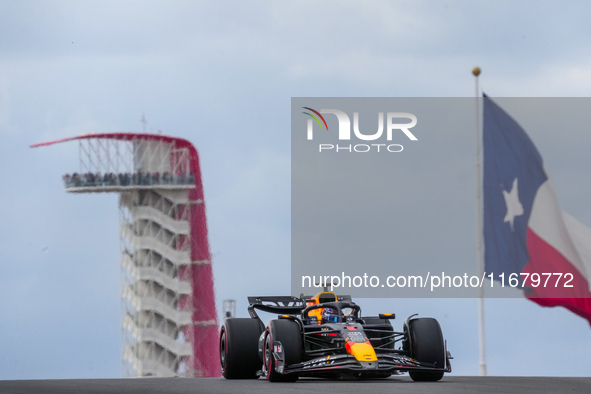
(283, 304)
(277, 304)
(286, 304)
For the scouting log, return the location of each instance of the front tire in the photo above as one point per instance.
(288, 333)
(239, 356)
(425, 343)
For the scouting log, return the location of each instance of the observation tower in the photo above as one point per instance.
(169, 323)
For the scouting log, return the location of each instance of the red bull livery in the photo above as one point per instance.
(326, 336)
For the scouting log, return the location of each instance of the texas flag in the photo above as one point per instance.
(525, 231)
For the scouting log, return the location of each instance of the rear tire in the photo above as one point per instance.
(288, 333)
(239, 348)
(425, 343)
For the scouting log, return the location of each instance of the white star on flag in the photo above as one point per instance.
(514, 207)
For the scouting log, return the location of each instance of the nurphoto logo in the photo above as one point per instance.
(393, 124)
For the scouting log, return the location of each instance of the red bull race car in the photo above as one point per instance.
(326, 336)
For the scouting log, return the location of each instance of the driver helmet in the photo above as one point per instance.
(330, 315)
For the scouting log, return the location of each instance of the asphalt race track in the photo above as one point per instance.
(396, 384)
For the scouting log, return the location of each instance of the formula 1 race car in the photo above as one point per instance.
(326, 336)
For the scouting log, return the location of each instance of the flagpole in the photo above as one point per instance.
(480, 260)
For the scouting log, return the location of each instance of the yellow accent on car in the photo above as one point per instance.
(362, 351)
(325, 296)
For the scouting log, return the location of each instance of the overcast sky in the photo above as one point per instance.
(222, 74)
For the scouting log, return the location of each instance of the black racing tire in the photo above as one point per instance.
(425, 343)
(288, 333)
(239, 348)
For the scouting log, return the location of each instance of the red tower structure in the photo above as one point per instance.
(170, 321)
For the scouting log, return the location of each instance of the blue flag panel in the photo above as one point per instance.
(513, 172)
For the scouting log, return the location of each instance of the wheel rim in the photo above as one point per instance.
(268, 355)
(223, 350)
